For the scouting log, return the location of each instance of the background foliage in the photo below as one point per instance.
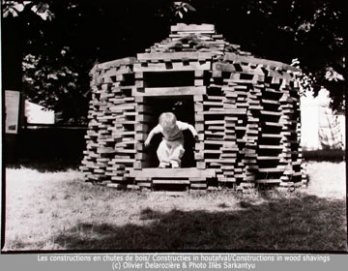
(60, 41)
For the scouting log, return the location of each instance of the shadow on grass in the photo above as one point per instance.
(305, 223)
(48, 165)
(325, 155)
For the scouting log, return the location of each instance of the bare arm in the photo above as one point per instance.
(192, 130)
(187, 126)
(154, 131)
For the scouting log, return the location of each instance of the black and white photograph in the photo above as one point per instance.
(174, 126)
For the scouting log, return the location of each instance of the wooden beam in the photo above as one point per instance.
(268, 181)
(172, 173)
(252, 60)
(176, 56)
(192, 27)
(192, 65)
(115, 63)
(173, 91)
(170, 181)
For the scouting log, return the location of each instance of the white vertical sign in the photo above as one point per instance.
(12, 107)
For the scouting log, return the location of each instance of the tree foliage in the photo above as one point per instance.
(14, 8)
(181, 8)
(96, 31)
(56, 84)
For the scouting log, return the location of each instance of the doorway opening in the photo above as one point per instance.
(183, 108)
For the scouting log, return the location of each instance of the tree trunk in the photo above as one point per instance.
(12, 55)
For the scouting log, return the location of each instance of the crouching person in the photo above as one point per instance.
(171, 149)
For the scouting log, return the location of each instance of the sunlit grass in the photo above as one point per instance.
(327, 179)
(58, 211)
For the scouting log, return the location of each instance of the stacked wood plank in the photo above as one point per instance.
(110, 138)
(246, 113)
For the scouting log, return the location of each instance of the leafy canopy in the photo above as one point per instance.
(62, 40)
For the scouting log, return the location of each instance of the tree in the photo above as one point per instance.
(98, 31)
(316, 30)
(14, 8)
(182, 8)
(55, 83)
(52, 76)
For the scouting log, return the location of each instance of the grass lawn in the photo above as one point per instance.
(58, 211)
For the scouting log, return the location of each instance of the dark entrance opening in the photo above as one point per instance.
(183, 108)
(169, 79)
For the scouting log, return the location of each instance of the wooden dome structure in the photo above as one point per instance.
(245, 109)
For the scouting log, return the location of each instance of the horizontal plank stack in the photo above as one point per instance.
(246, 113)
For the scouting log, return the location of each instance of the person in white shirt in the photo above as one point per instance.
(171, 149)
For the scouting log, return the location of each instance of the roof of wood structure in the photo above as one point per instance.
(196, 42)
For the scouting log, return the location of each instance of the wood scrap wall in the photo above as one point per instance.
(112, 115)
(246, 112)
